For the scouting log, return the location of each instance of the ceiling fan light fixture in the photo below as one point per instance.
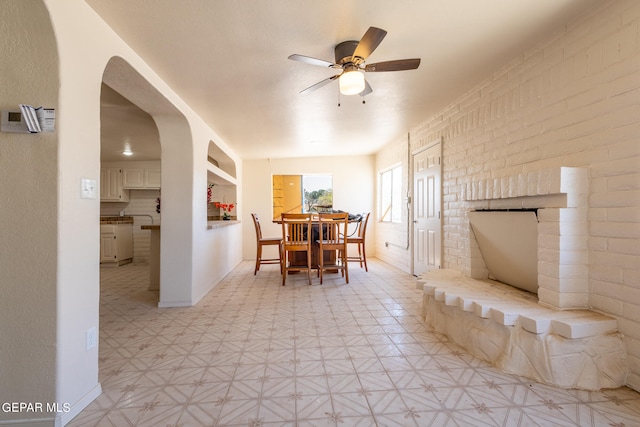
(351, 82)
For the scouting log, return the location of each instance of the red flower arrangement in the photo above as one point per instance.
(226, 208)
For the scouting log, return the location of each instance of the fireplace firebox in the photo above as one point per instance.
(508, 242)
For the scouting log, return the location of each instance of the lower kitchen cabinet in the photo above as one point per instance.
(116, 244)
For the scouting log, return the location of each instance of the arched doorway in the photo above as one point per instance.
(176, 160)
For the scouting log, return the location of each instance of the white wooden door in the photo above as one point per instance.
(427, 229)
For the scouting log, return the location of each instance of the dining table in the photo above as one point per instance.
(300, 258)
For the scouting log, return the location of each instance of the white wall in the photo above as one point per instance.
(51, 277)
(353, 191)
(571, 101)
(392, 239)
(28, 211)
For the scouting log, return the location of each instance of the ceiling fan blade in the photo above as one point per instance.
(318, 85)
(397, 65)
(367, 89)
(369, 42)
(310, 60)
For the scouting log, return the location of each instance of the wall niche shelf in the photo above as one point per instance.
(219, 177)
(221, 171)
(220, 161)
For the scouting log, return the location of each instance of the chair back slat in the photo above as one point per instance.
(359, 240)
(256, 224)
(296, 232)
(333, 228)
(363, 225)
(332, 237)
(295, 228)
(261, 242)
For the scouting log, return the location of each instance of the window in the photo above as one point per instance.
(318, 193)
(391, 195)
(302, 193)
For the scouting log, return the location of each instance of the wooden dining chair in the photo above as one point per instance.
(265, 241)
(359, 240)
(296, 237)
(332, 230)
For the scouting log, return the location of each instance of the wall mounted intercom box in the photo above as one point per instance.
(28, 120)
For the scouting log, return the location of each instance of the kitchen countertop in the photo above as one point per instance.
(116, 220)
(220, 223)
(210, 225)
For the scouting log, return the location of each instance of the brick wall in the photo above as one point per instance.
(573, 101)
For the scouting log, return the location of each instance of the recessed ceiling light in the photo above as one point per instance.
(127, 149)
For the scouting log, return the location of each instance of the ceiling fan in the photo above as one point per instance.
(350, 58)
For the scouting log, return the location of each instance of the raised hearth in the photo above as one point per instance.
(510, 329)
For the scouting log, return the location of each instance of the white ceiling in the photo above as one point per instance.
(228, 60)
(124, 123)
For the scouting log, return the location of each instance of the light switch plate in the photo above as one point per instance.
(92, 338)
(88, 188)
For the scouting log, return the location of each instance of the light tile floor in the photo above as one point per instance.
(254, 353)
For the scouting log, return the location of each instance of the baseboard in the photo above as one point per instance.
(174, 304)
(79, 406)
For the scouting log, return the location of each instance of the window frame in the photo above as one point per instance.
(390, 201)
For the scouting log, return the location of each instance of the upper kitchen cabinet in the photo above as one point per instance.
(111, 189)
(117, 178)
(152, 178)
(133, 178)
(141, 175)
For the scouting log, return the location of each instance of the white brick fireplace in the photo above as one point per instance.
(551, 337)
(560, 195)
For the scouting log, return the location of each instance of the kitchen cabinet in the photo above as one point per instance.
(116, 244)
(141, 178)
(152, 178)
(111, 189)
(132, 178)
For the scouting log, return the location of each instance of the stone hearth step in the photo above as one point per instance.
(507, 305)
(508, 327)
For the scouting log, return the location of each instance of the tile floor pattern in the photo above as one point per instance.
(254, 353)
